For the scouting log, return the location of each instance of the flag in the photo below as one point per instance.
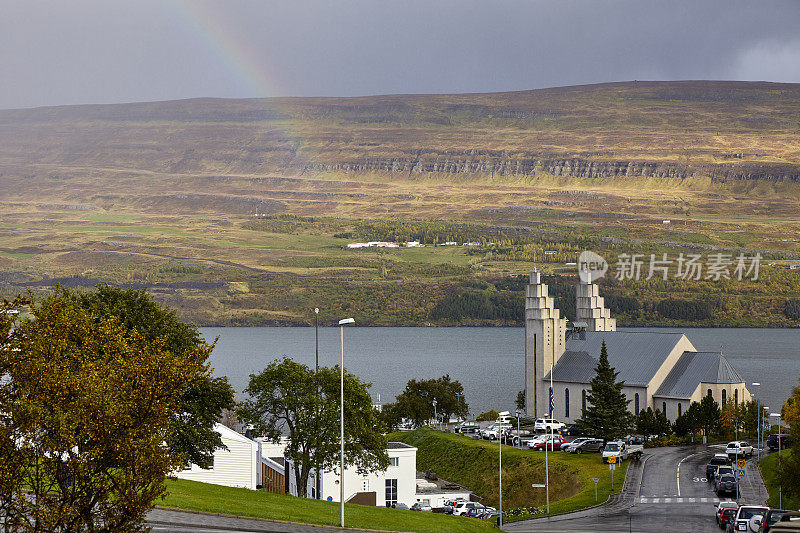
(552, 402)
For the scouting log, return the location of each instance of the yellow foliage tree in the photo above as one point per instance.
(84, 409)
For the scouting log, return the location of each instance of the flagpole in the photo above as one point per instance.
(550, 426)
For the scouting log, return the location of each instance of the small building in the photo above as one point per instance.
(387, 488)
(238, 466)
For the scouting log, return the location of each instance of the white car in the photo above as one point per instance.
(548, 424)
(739, 448)
(462, 508)
(493, 431)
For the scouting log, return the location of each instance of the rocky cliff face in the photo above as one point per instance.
(574, 167)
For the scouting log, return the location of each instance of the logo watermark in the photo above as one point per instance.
(711, 267)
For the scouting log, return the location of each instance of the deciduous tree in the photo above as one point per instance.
(289, 399)
(416, 402)
(85, 408)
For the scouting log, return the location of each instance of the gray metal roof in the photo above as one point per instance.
(694, 368)
(637, 356)
(393, 445)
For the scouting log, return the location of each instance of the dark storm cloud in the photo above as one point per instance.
(86, 51)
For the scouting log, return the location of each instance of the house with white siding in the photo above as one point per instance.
(238, 466)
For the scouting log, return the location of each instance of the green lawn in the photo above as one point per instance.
(769, 467)
(473, 464)
(195, 496)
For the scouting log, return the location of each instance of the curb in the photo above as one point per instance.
(254, 518)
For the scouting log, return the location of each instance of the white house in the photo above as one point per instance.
(396, 484)
(238, 466)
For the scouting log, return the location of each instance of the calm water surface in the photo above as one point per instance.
(489, 362)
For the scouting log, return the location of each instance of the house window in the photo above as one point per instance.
(709, 393)
(566, 403)
(664, 407)
(391, 492)
(636, 404)
(680, 408)
(583, 402)
(723, 397)
(736, 397)
(394, 461)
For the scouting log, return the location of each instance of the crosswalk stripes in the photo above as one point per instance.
(674, 499)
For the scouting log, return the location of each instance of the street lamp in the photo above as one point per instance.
(517, 414)
(758, 421)
(780, 484)
(316, 379)
(341, 423)
(435, 418)
(500, 472)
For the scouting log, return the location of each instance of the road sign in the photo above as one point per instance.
(612, 466)
(740, 473)
(538, 485)
(740, 463)
(612, 459)
(596, 480)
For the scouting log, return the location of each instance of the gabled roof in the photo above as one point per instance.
(637, 356)
(228, 433)
(694, 368)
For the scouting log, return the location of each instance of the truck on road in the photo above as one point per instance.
(622, 450)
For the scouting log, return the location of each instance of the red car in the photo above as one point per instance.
(725, 516)
(553, 443)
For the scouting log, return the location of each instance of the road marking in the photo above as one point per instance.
(678, 471)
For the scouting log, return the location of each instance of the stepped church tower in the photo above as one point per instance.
(546, 335)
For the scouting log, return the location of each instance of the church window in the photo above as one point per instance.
(664, 407)
(636, 404)
(583, 402)
(736, 398)
(566, 403)
(723, 397)
(680, 408)
(709, 392)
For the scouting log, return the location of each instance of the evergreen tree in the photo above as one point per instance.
(606, 416)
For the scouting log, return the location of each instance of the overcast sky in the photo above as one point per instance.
(97, 51)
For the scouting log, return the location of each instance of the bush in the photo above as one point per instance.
(792, 309)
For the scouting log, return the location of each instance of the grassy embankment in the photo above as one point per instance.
(473, 464)
(769, 470)
(195, 496)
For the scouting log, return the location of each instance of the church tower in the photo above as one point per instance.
(545, 333)
(590, 308)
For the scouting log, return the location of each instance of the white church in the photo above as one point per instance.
(661, 370)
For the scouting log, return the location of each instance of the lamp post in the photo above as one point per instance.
(780, 484)
(500, 473)
(517, 414)
(435, 418)
(316, 376)
(758, 421)
(341, 423)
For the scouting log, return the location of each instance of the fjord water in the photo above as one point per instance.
(489, 362)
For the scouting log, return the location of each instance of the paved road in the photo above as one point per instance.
(674, 496)
(169, 521)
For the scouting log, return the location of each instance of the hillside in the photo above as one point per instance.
(238, 211)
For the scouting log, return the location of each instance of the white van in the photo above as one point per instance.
(504, 418)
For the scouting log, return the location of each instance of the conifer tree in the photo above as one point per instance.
(606, 416)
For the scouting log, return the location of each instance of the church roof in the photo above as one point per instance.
(637, 356)
(694, 368)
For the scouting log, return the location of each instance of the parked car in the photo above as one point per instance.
(723, 470)
(724, 505)
(739, 448)
(744, 515)
(520, 437)
(493, 432)
(635, 439)
(548, 424)
(572, 430)
(771, 517)
(725, 516)
(772, 441)
(477, 512)
(449, 505)
(467, 427)
(419, 506)
(725, 484)
(462, 508)
(576, 442)
(789, 523)
(711, 466)
(621, 450)
(504, 418)
(552, 442)
(591, 445)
